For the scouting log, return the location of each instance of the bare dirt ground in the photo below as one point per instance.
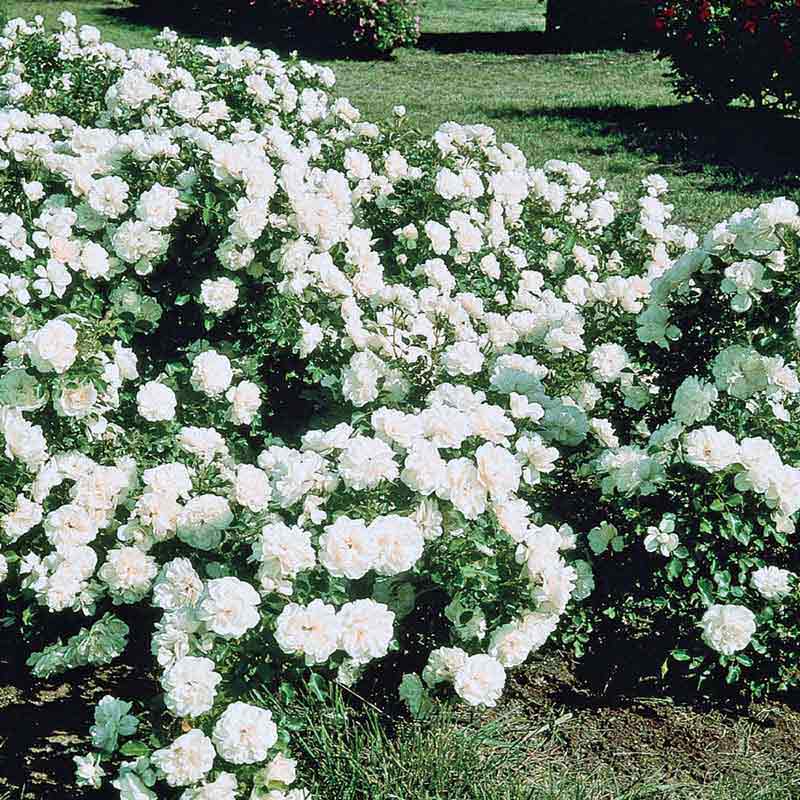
(654, 738)
(43, 724)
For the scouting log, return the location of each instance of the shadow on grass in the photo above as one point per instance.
(529, 42)
(320, 39)
(738, 149)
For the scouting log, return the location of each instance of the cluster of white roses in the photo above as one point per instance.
(484, 325)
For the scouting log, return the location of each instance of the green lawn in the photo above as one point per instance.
(613, 111)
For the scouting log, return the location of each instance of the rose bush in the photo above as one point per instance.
(378, 26)
(364, 27)
(517, 389)
(734, 49)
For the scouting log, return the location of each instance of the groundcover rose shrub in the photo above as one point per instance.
(532, 412)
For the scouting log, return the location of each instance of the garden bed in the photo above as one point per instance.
(565, 738)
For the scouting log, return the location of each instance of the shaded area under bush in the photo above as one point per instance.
(746, 149)
(270, 25)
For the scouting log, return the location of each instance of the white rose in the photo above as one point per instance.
(480, 680)
(53, 347)
(95, 261)
(76, 400)
(220, 295)
(202, 520)
(443, 664)
(158, 206)
(711, 449)
(17, 523)
(190, 686)
(251, 487)
(312, 335)
(498, 470)
(728, 628)
(229, 607)
(462, 358)
(367, 628)
(346, 549)
(607, 361)
(399, 544)
(510, 645)
(156, 402)
(364, 463)
(281, 770)
(186, 103)
(244, 734)
(772, 583)
(186, 760)
(464, 489)
(211, 373)
(424, 470)
(245, 400)
(311, 631)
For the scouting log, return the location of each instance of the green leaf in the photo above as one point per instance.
(723, 579)
(318, 686)
(414, 694)
(674, 568)
(287, 692)
(134, 749)
(706, 590)
(680, 655)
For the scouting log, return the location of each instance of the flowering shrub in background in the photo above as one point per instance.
(378, 26)
(357, 27)
(529, 392)
(733, 49)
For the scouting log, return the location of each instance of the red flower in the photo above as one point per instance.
(751, 26)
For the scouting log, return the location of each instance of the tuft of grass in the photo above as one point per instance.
(348, 754)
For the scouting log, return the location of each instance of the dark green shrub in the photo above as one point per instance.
(576, 24)
(734, 49)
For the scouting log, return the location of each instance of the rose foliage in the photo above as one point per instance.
(732, 49)
(374, 25)
(528, 392)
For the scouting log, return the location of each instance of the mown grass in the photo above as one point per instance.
(490, 61)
